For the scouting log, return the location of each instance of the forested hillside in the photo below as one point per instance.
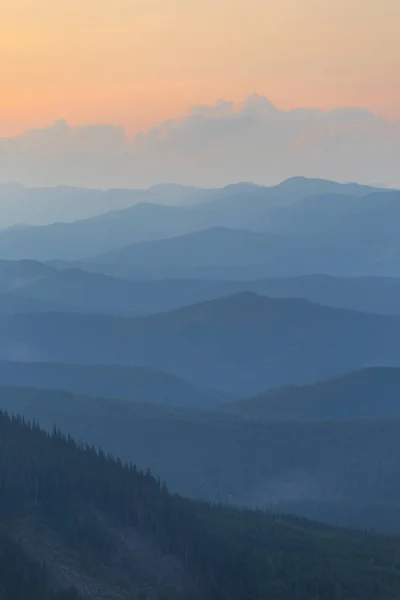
(101, 518)
(342, 472)
(22, 578)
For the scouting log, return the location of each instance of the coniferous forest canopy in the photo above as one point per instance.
(200, 393)
(101, 512)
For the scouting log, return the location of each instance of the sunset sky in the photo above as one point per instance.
(137, 62)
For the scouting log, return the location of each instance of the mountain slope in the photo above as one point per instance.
(102, 293)
(46, 205)
(346, 473)
(372, 393)
(90, 291)
(98, 234)
(379, 295)
(17, 274)
(240, 345)
(299, 239)
(209, 247)
(244, 201)
(361, 216)
(250, 209)
(22, 578)
(138, 539)
(134, 384)
(11, 304)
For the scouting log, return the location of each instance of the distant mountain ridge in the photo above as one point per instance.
(29, 286)
(133, 384)
(368, 394)
(344, 470)
(17, 274)
(239, 344)
(90, 291)
(45, 205)
(277, 210)
(214, 246)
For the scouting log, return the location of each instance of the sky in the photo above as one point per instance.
(142, 71)
(138, 62)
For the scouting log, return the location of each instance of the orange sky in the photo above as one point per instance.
(137, 62)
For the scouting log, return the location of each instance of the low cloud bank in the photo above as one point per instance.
(211, 146)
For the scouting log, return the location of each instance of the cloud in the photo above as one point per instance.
(211, 145)
(60, 154)
(220, 108)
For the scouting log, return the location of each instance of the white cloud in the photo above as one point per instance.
(212, 145)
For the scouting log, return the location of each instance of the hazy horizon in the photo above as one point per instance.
(211, 146)
(176, 184)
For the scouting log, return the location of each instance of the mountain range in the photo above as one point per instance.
(29, 286)
(207, 364)
(299, 233)
(367, 394)
(344, 469)
(21, 205)
(134, 384)
(239, 344)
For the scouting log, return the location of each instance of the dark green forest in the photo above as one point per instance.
(90, 502)
(342, 472)
(21, 578)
